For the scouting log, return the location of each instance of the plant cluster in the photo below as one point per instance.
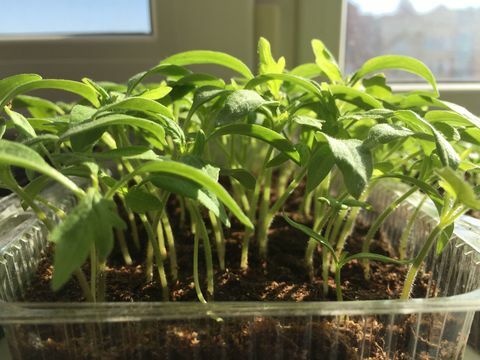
(310, 129)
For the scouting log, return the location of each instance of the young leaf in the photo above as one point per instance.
(209, 57)
(445, 151)
(14, 154)
(308, 70)
(204, 95)
(33, 103)
(308, 121)
(118, 120)
(385, 133)
(21, 124)
(157, 93)
(356, 97)
(3, 127)
(140, 104)
(75, 87)
(306, 84)
(262, 133)
(312, 234)
(458, 188)
(320, 164)
(374, 257)
(142, 201)
(242, 176)
(89, 223)
(168, 70)
(396, 62)
(268, 65)
(354, 161)
(12, 82)
(192, 190)
(239, 104)
(326, 61)
(189, 173)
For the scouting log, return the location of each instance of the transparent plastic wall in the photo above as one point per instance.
(435, 328)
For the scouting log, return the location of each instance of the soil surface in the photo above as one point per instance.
(281, 278)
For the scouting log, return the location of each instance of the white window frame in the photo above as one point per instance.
(177, 25)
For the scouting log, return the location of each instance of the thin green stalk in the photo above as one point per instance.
(101, 282)
(123, 246)
(253, 207)
(263, 242)
(264, 207)
(93, 272)
(412, 272)
(378, 223)
(83, 282)
(158, 256)
(171, 246)
(133, 229)
(326, 256)
(196, 279)
(219, 239)
(149, 263)
(402, 252)
(338, 283)
(202, 230)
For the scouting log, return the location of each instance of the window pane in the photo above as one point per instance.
(445, 34)
(78, 17)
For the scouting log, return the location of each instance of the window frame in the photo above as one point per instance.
(103, 56)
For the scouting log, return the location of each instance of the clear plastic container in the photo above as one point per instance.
(433, 328)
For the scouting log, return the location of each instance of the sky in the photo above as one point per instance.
(74, 16)
(387, 6)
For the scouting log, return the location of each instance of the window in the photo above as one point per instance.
(73, 18)
(442, 33)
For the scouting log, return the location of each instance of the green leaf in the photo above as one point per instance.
(3, 127)
(156, 93)
(74, 87)
(354, 161)
(239, 104)
(141, 104)
(40, 139)
(312, 234)
(268, 65)
(20, 123)
(189, 173)
(474, 120)
(308, 70)
(192, 190)
(375, 257)
(385, 133)
(209, 57)
(262, 133)
(33, 102)
(458, 188)
(356, 97)
(396, 62)
(141, 201)
(204, 95)
(15, 154)
(444, 238)
(308, 121)
(89, 223)
(129, 152)
(448, 117)
(168, 70)
(117, 120)
(320, 164)
(199, 80)
(306, 84)
(10, 83)
(326, 61)
(445, 151)
(242, 176)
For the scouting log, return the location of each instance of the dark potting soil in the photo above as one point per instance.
(281, 278)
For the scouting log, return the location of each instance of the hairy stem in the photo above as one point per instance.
(219, 239)
(172, 253)
(402, 252)
(378, 223)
